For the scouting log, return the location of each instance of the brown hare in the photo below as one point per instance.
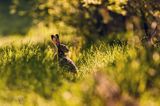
(61, 50)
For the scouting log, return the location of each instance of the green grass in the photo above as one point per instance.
(29, 76)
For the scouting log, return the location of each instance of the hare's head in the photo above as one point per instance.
(55, 39)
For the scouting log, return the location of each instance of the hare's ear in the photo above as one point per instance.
(57, 36)
(52, 36)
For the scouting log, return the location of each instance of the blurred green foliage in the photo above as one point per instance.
(121, 72)
(91, 18)
(30, 67)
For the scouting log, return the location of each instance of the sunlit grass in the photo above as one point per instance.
(29, 76)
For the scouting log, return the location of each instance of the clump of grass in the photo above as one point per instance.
(30, 68)
(133, 69)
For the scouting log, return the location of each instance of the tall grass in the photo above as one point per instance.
(30, 76)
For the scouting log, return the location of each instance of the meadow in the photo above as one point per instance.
(108, 73)
(115, 45)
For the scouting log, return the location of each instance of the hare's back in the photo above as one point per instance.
(68, 64)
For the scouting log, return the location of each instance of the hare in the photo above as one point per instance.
(61, 50)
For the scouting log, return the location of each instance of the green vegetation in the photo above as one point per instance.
(114, 43)
(30, 67)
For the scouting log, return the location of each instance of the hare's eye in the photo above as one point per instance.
(57, 36)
